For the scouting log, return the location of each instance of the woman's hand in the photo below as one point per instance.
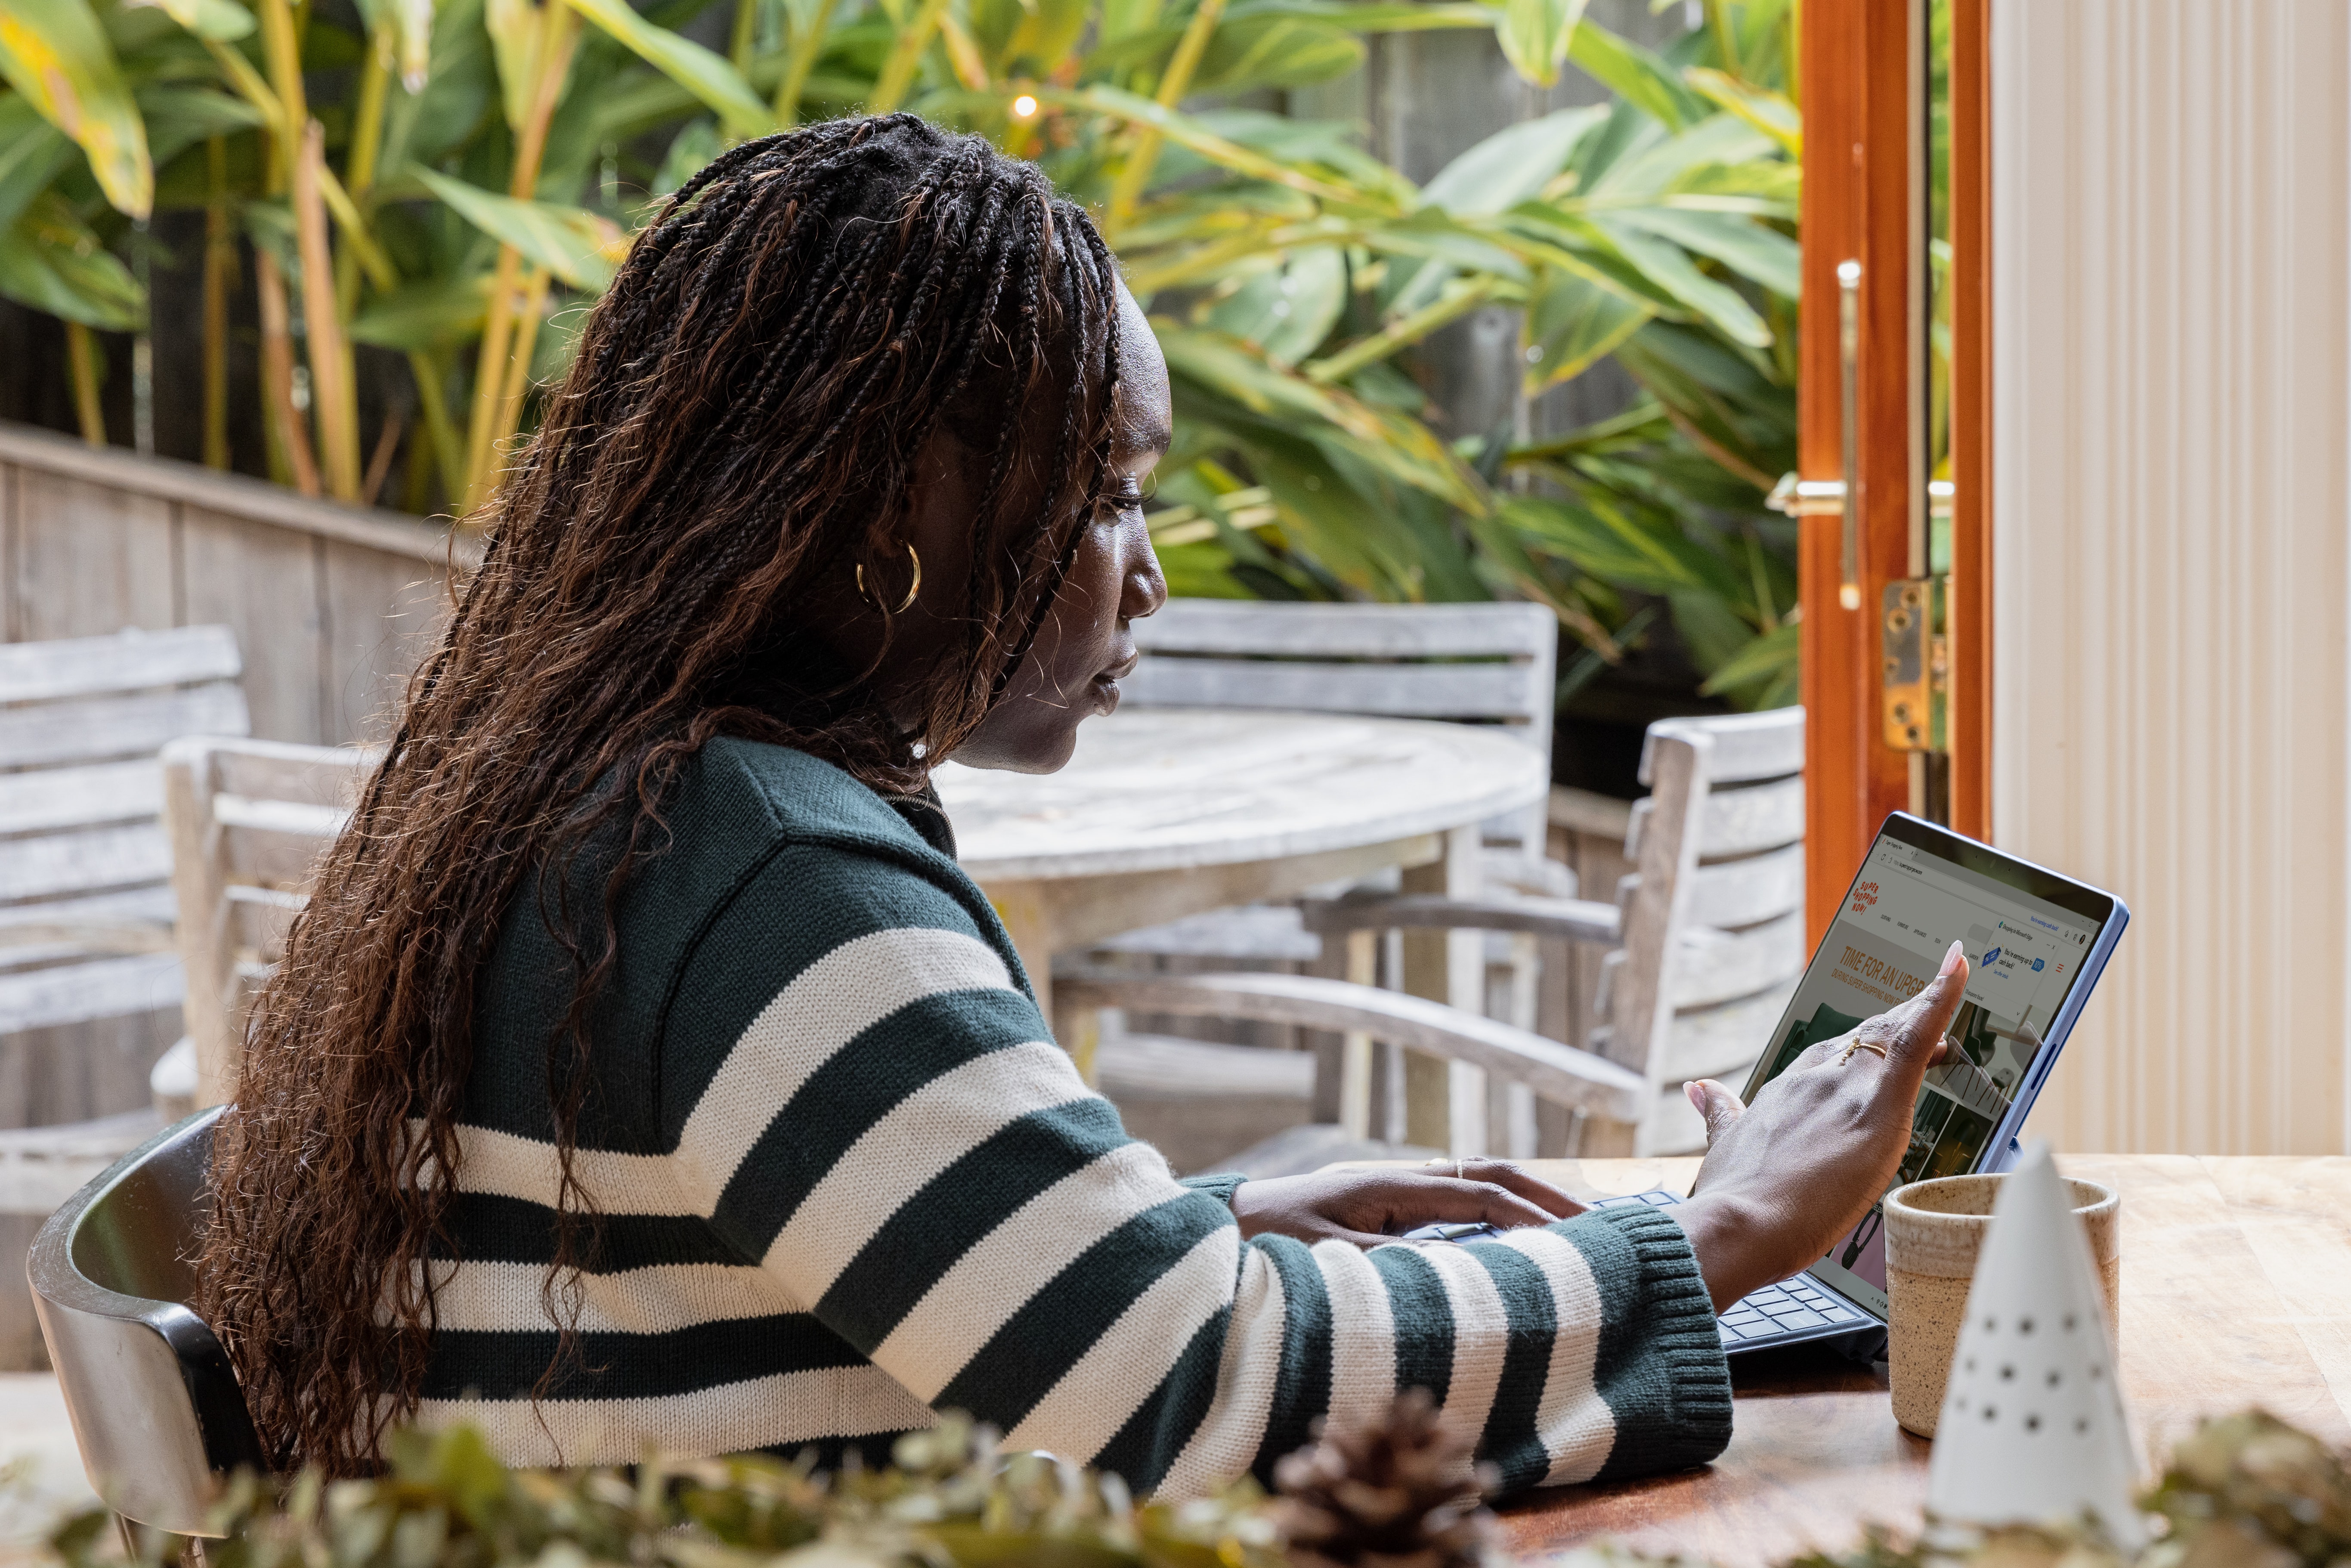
(1786, 1177)
(1369, 1206)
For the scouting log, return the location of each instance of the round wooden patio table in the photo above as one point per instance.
(1166, 812)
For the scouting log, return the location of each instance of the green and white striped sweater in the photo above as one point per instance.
(846, 1180)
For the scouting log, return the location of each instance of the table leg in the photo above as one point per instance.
(1445, 1102)
(1027, 910)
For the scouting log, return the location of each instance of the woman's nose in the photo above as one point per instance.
(1144, 588)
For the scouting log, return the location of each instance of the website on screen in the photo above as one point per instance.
(1902, 914)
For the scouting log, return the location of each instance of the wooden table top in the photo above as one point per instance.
(2236, 1291)
(1157, 789)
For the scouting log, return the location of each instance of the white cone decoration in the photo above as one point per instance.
(2033, 1429)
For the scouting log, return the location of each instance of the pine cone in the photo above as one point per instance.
(1392, 1495)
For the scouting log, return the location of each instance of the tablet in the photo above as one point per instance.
(2035, 943)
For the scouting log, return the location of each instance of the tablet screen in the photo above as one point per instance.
(2026, 934)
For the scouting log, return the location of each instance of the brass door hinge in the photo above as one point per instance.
(1916, 643)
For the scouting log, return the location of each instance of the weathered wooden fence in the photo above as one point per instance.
(331, 606)
(329, 602)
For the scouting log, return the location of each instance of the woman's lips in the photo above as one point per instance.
(1106, 692)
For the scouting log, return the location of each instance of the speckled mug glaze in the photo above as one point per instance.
(1933, 1232)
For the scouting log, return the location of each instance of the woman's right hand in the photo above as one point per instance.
(1786, 1177)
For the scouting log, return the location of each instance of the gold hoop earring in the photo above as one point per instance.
(912, 588)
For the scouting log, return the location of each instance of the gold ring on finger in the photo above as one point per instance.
(1861, 1045)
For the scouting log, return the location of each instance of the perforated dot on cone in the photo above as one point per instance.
(2033, 1429)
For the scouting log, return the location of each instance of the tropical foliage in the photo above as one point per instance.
(470, 170)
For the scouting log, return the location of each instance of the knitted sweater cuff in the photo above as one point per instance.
(1671, 1387)
(1220, 1186)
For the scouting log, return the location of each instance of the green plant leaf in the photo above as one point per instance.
(217, 19)
(179, 117)
(1185, 131)
(1513, 164)
(1764, 671)
(1374, 15)
(50, 261)
(1602, 537)
(411, 22)
(1535, 34)
(54, 53)
(1694, 156)
(1043, 34)
(1772, 113)
(32, 153)
(1574, 324)
(1749, 248)
(1276, 51)
(426, 314)
(514, 31)
(689, 150)
(578, 246)
(1634, 74)
(1288, 309)
(708, 75)
(1386, 441)
(1670, 269)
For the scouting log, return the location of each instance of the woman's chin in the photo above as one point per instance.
(1040, 749)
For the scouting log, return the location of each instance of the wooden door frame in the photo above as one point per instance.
(1863, 129)
(1971, 303)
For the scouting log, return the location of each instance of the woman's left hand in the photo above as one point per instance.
(1374, 1205)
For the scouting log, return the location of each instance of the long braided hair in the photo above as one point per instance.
(742, 419)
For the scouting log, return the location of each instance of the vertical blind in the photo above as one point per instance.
(2171, 199)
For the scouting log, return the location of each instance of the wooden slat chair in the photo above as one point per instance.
(89, 987)
(1475, 664)
(1470, 664)
(248, 820)
(86, 906)
(1706, 935)
(1597, 1092)
(1713, 911)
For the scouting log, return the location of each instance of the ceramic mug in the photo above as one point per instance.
(1934, 1230)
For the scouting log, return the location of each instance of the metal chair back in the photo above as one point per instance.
(156, 1411)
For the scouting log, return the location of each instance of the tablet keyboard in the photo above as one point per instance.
(1774, 1310)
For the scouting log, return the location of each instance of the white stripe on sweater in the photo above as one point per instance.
(1121, 1369)
(782, 1410)
(507, 1298)
(824, 1007)
(916, 1139)
(1577, 1429)
(1481, 1337)
(1363, 1337)
(997, 1276)
(1226, 1442)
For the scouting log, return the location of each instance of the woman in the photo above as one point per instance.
(644, 1072)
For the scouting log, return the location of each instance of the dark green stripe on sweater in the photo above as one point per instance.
(1510, 1441)
(1301, 1389)
(971, 1197)
(1424, 1320)
(1024, 1358)
(1155, 1434)
(468, 1363)
(861, 1083)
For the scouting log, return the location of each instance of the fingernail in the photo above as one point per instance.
(1697, 1092)
(1950, 960)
